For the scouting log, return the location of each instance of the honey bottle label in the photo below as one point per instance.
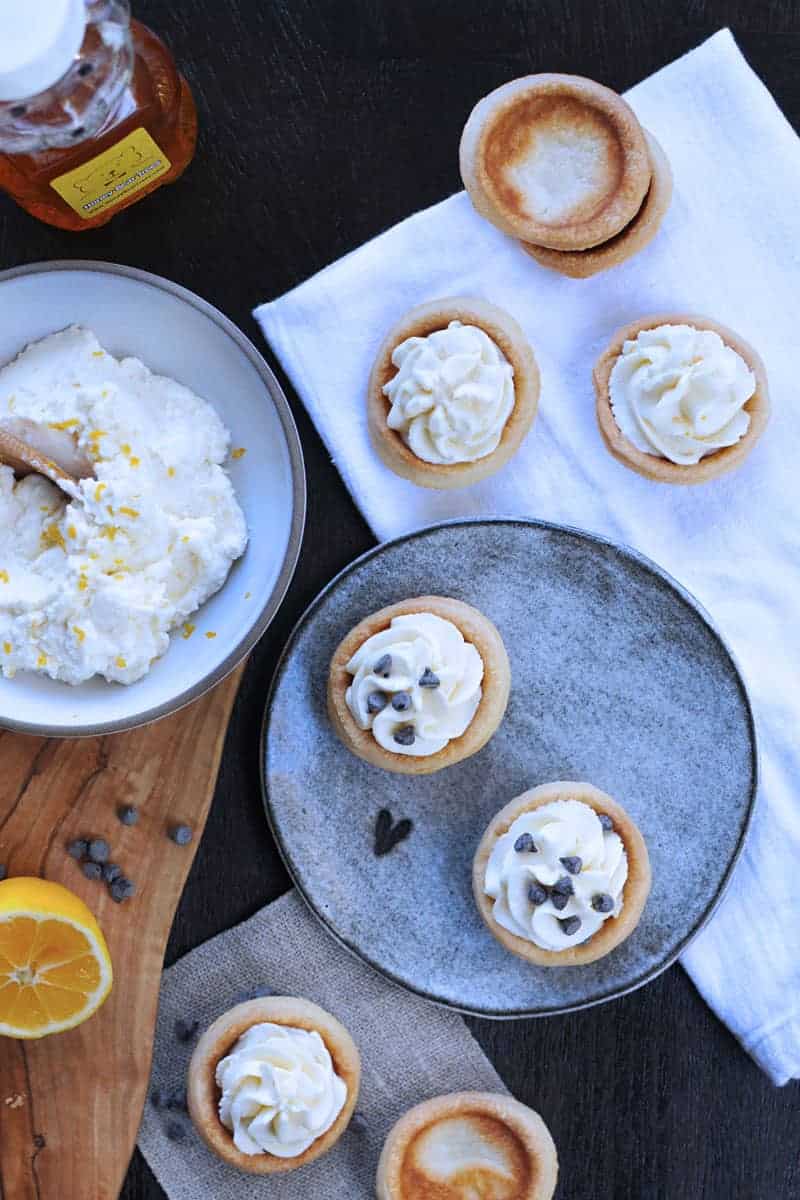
(109, 178)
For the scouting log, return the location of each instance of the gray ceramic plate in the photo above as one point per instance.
(618, 677)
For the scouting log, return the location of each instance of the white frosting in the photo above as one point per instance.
(94, 585)
(561, 829)
(414, 644)
(452, 395)
(280, 1091)
(679, 393)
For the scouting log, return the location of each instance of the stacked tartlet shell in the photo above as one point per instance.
(602, 220)
(662, 469)
(476, 629)
(421, 321)
(613, 931)
(219, 1040)
(523, 1124)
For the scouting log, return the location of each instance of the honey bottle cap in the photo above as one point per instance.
(39, 40)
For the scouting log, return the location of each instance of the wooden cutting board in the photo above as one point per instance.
(70, 1105)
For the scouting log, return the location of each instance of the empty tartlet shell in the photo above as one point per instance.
(612, 932)
(581, 264)
(661, 469)
(218, 1041)
(475, 628)
(491, 138)
(523, 1122)
(426, 319)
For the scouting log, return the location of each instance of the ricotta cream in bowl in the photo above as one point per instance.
(130, 599)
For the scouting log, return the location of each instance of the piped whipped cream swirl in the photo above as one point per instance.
(280, 1091)
(679, 393)
(416, 684)
(557, 875)
(452, 395)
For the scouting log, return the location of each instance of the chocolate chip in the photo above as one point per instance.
(39, 1141)
(92, 870)
(603, 903)
(538, 894)
(99, 850)
(606, 822)
(559, 901)
(401, 701)
(122, 889)
(18, 110)
(570, 925)
(376, 702)
(387, 834)
(383, 666)
(78, 849)
(186, 1031)
(85, 69)
(405, 735)
(128, 814)
(111, 872)
(3, 872)
(174, 1131)
(563, 886)
(181, 835)
(572, 863)
(358, 1122)
(525, 844)
(428, 679)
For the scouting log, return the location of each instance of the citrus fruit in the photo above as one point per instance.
(55, 969)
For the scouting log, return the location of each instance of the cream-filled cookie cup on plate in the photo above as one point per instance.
(453, 392)
(719, 411)
(419, 685)
(561, 875)
(311, 1077)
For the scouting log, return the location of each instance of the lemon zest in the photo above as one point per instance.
(188, 630)
(239, 452)
(80, 634)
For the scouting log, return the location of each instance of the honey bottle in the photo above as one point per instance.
(93, 112)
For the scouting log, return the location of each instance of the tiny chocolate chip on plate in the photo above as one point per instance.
(606, 822)
(376, 702)
(428, 679)
(572, 863)
(383, 666)
(111, 872)
(78, 848)
(570, 925)
(175, 1131)
(401, 701)
(99, 850)
(181, 835)
(92, 870)
(405, 735)
(603, 903)
(525, 844)
(175, 1098)
(128, 814)
(3, 872)
(358, 1122)
(538, 894)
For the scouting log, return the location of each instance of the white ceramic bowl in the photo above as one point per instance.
(176, 334)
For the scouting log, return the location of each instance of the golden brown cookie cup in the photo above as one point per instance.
(218, 1041)
(475, 628)
(563, 108)
(661, 469)
(523, 1139)
(581, 264)
(426, 319)
(615, 930)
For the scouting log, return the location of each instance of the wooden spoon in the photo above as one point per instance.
(30, 447)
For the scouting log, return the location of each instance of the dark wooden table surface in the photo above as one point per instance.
(323, 122)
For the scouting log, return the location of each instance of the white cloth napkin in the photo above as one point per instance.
(410, 1051)
(729, 249)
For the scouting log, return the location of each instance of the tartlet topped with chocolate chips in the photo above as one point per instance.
(420, 685)
(561, 875)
